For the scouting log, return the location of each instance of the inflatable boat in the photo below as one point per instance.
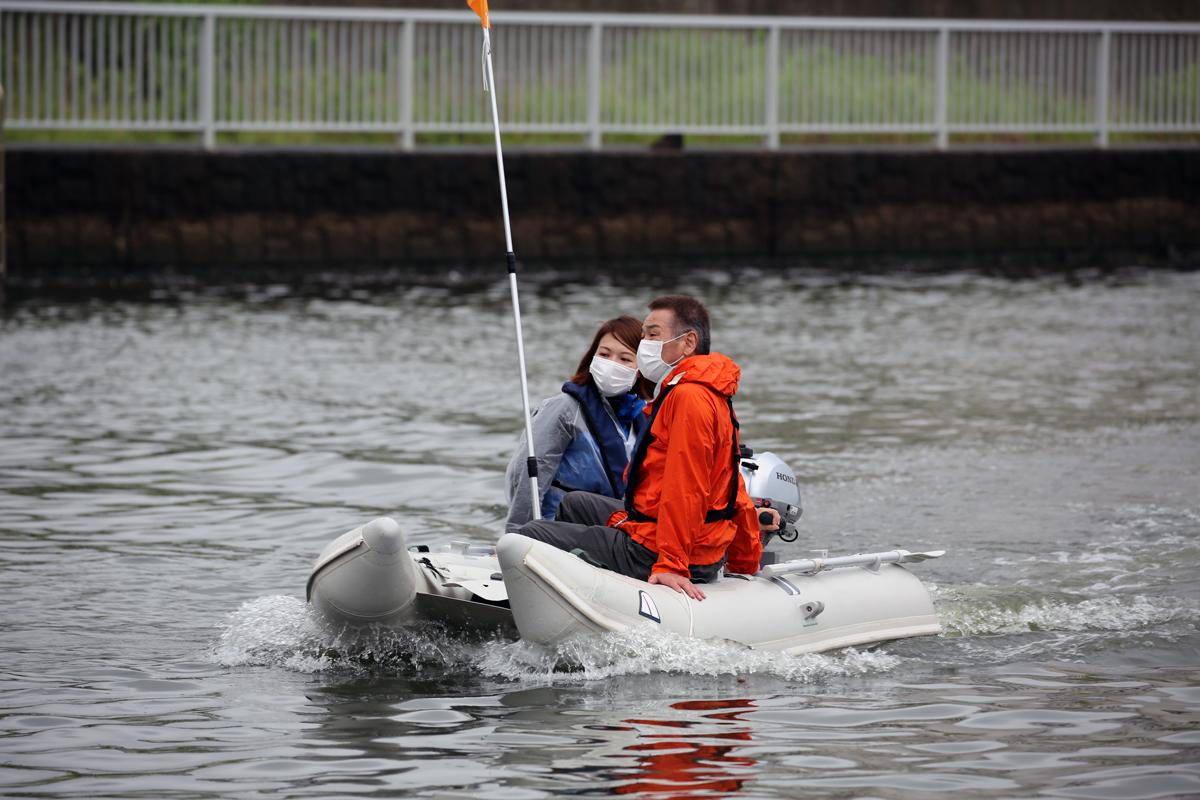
(369, 576)
(802, 606)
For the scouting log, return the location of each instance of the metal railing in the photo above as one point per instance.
(415, 74)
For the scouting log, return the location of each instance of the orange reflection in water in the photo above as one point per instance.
(698, 756)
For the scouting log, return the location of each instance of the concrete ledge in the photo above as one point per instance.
(123, 217)
(3, 216)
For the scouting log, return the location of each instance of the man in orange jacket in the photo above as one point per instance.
(686, 512)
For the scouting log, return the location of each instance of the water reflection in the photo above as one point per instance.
(168, 471)
(378, 734)
(384, 734)
(690, 757)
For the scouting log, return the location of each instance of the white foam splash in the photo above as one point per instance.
(643, 650)
(283, 631)
(1113, 613)
(270, 630)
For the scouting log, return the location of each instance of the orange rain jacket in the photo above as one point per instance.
(686, 474)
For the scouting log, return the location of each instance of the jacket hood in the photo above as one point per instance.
(715, 370)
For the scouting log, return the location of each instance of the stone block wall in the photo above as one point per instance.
(134, 217)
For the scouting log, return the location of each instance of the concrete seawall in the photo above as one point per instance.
(110, 218)
(3, 216)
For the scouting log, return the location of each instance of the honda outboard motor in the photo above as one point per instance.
(771, 483)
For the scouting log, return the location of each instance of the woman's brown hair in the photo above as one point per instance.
(628, 331)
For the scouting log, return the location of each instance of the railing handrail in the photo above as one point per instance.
(218, 69)
(575, 18)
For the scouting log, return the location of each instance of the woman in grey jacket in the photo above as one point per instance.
(584, 436)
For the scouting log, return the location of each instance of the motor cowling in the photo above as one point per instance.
(771, 483)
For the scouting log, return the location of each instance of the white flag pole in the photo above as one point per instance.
(531, 462)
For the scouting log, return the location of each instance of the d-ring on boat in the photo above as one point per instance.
(369, 576)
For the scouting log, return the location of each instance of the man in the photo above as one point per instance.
(686, 512)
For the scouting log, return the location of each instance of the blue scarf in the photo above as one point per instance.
(599, 423)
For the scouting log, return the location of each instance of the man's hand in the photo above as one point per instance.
(773, 525)
(678, 583)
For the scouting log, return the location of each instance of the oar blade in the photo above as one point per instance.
(912, 557)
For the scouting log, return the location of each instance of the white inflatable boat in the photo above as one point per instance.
(369, 576)
(803, 606)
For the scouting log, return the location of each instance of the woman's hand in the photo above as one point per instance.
(678, 583)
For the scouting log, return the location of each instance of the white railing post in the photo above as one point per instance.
(408, 135)
(772, 99)
(1103, 57)
(1035, 77)
(208, 39)
(941, 84)
(595, 137)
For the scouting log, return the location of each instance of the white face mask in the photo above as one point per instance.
(649, 358)
(611, 378)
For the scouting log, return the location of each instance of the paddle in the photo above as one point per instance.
(871, 561)
(480, 7)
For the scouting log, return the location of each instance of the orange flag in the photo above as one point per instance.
(480, 8)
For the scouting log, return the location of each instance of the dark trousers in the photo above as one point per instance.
(579, 525)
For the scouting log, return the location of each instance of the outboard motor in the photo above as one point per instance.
(771, 483)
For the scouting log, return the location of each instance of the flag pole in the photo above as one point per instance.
(489, 80)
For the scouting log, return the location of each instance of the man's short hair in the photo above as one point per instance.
(690, 314)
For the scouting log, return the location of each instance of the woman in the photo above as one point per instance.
(584, 436)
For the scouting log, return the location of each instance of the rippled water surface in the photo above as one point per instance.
(169, 469)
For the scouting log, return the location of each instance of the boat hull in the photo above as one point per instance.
(368, 576)
(555, 596)
(365, 576)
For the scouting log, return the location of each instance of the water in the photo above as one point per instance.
(169, 469)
